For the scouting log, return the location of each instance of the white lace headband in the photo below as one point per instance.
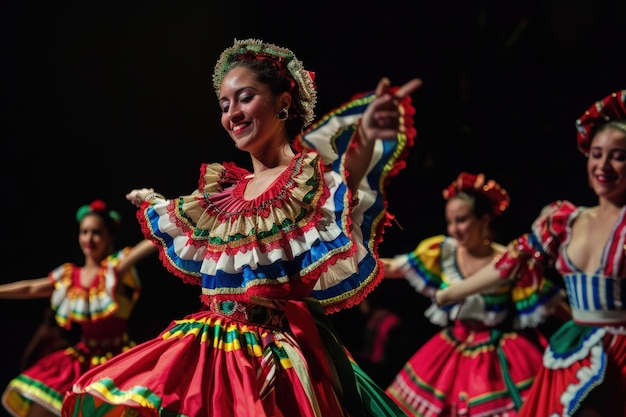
(283, 57)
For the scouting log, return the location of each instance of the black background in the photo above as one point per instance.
(99, 98)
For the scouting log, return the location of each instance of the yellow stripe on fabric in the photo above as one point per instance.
(31, 388)
(227, 338)
(472, 351)
(499, 394)
(138, 395)
(421, 383)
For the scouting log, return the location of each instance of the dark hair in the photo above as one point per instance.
(111, 218)
(269, 72)
(479, 204)
(111, 224)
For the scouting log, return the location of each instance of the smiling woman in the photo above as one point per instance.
(584, 366)
(462, 370)
(97, 297)
(274, 250)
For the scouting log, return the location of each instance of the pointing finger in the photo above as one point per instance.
(408, 88)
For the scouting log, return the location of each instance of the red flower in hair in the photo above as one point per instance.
(98, 205)
(497, 195)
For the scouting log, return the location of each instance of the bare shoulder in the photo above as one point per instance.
(588, 213)
(498, 248)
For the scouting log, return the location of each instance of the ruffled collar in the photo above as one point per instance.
(225, 221)
(76, 304)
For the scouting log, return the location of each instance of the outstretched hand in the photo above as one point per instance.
(382, 117)
(138, 196)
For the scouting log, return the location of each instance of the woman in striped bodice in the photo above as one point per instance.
(584, 367)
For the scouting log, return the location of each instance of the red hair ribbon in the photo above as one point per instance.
(609, 108)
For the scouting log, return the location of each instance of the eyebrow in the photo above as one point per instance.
(238, 91)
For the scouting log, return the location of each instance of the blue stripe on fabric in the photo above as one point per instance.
(389, 148)
(373, 216)
(429, 278)
(595, 292)
(224, 279)
(610, 294)
(534, 242)
(280, 268)
(584, 292)
(188, 266)
(574, 288)
(342, 140)
(356, 280)
(583, 391)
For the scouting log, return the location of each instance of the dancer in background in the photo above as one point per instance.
(584, 366)
(274, 249)
(97, 296)
(483, 361)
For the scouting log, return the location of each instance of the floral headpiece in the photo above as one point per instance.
(497, 195)
(99, 207)
(610, 108)
(256, 49)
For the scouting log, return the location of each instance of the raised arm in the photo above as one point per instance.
(27, 289)
(483, 280)
(139, 195)
(140, 251)
(391, 268)
(380, 120)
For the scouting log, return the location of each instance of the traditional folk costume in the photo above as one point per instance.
(102, 311)
(585, 361)
(481, 363)
(270, 269)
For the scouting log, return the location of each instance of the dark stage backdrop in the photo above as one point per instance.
(102, 97)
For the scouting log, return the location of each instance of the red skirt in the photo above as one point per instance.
(237, 363)
(468, 370)
(584, 367)
(47, 380)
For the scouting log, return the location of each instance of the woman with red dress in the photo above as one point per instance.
(584, 366)
(484, 360)
(274, 249)
(98, 297)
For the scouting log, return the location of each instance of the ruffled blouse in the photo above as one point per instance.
(598, 298)
(74, 303)
(432, 265)
(304, 236)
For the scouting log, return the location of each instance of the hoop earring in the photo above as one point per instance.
(283, 114)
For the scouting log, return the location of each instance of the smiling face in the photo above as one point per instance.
(606, 164)
(94, 238)
(249, 111)
(463, 225)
